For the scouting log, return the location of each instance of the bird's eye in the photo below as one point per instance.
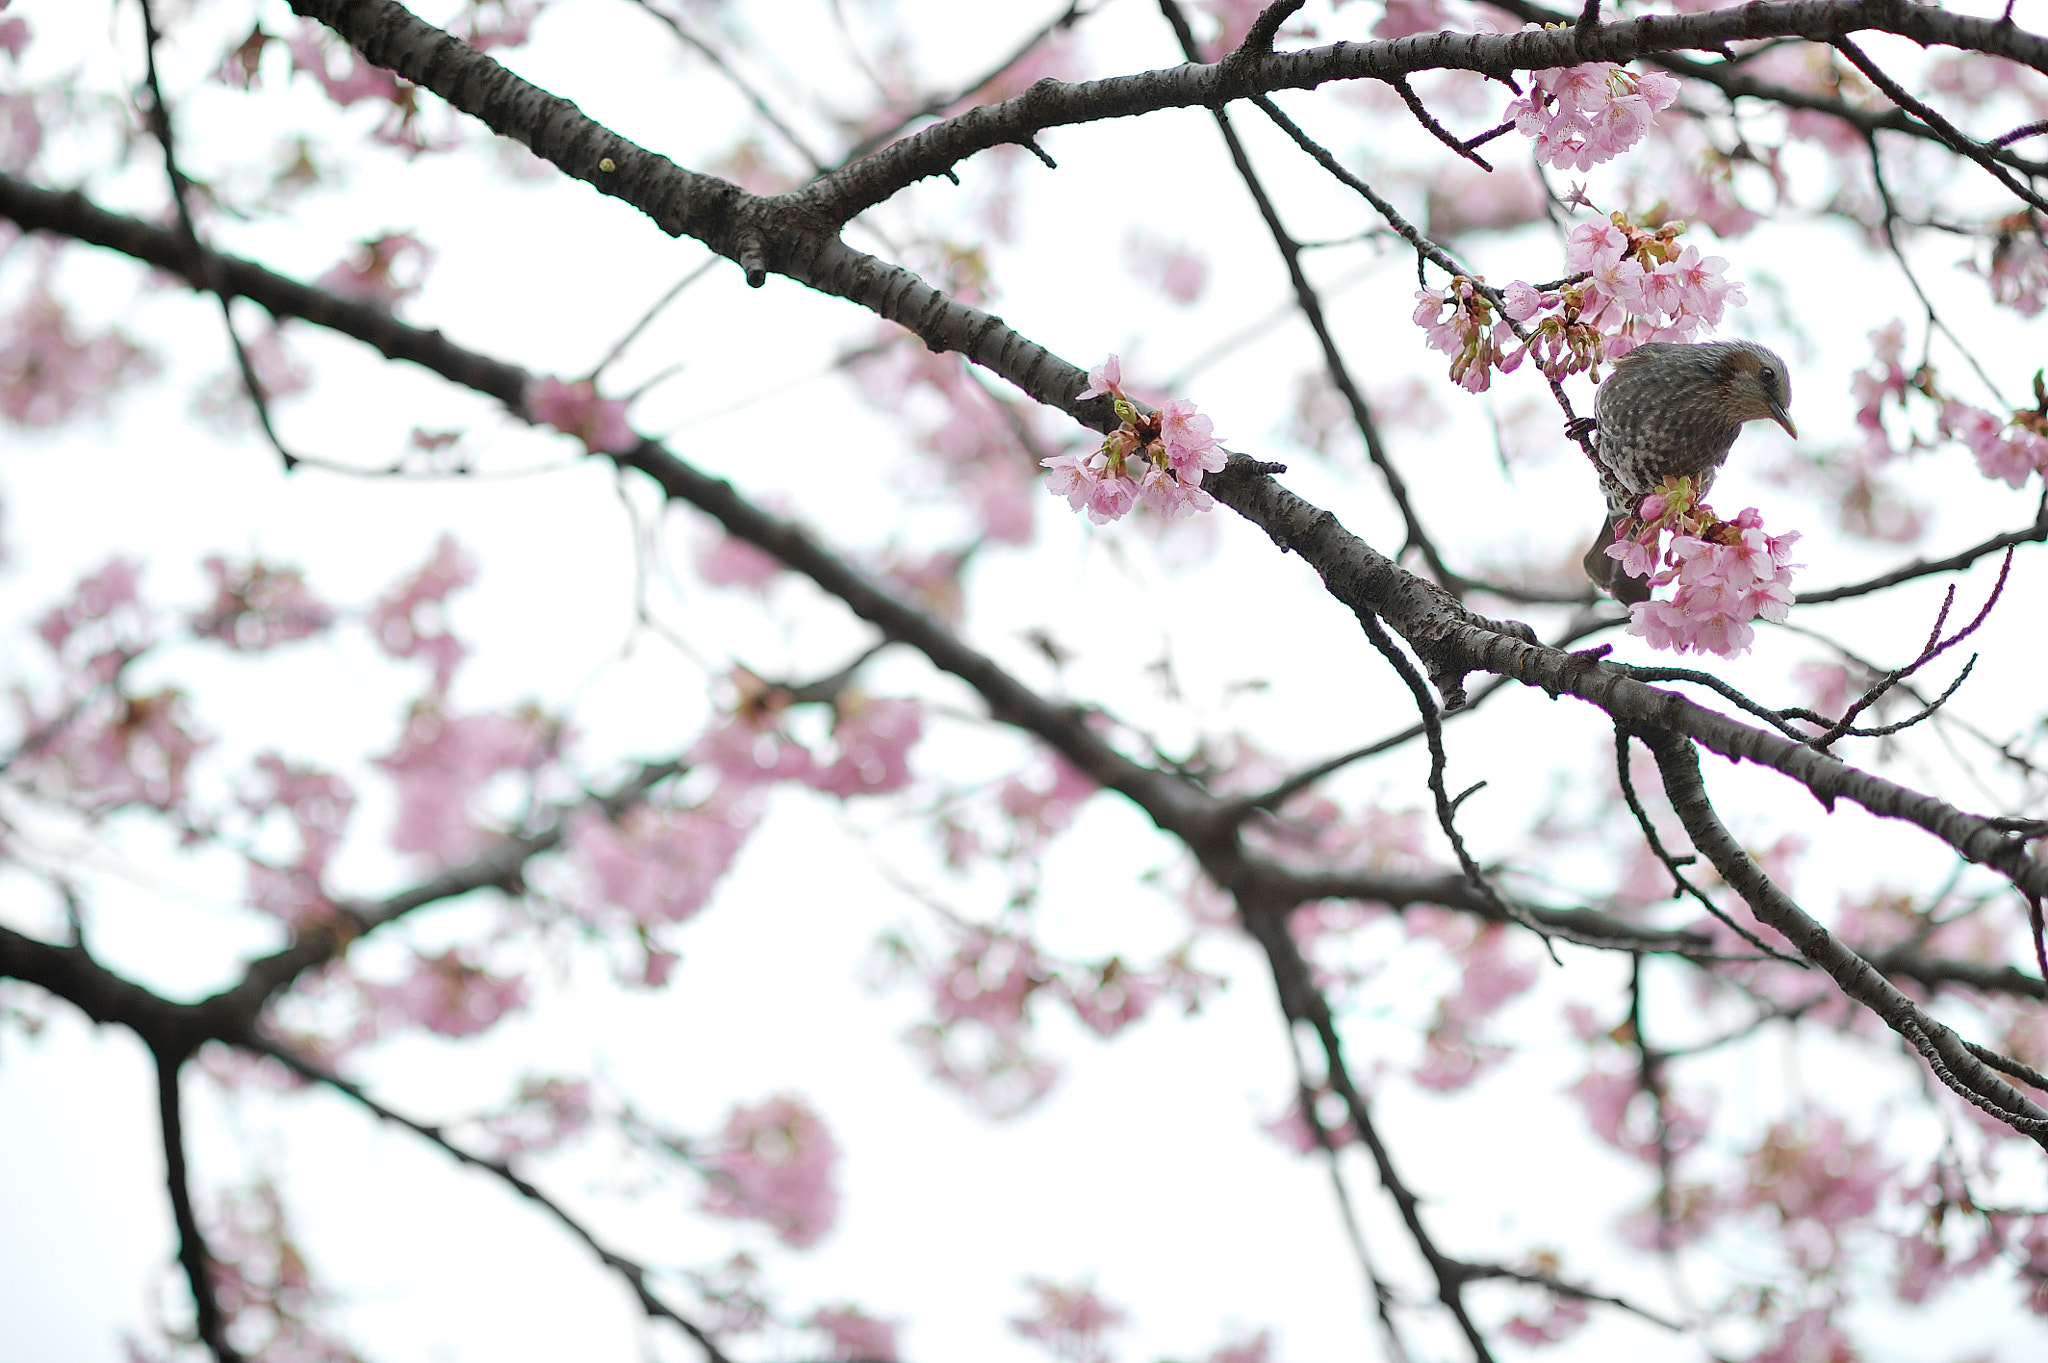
(1767, 373)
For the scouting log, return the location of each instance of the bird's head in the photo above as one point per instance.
(1757, 385)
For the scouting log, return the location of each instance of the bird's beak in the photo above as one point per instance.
(1783, 418)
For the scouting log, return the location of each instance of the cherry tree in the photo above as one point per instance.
(551, 618)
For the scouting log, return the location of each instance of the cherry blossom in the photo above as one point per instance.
(974, 446)
(1727, 573)
(1582, 115)
(384, 270)
(1042, 801)
(1817, 1182)
(658, 863)
(318, 804)
(256, 607)
(724, 561)
(874, 737)
(544, 1114)
(1489, 977)
(410, 620)
(312, 49)
(2017, 270)
(441, 762)
(576, 409)
(449, 994)
(775, 1162)
(1157, 457)
(1172, 267)
(1069, 1321)
(2010, 451)
(856, 1336)
(50, 370)
(262, 1283)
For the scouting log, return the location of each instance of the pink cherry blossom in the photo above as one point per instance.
(1043, 801)
(450, 995)
(1561, 1318)
(576, 409)
(747, 751)
(2018, 267)
(49, 368)
(856, 1336)
(2008, 451)
(98, 597)
(874, 739)
(776, 1162)
(1171, 497)
(384, 270)
(1108, 999)
(1069, 1321)
(1104, 380)
(1174, 268)
(990, 979)
(1817, 1183)
(1404, 18)
(657, 863)
(1582, 115)
(439, 765)
(1092, 484)
(123, 750)
(545, 1114)
(318, 804)
(1522, 301)
(1452, 1055)
(724, 561)
(1733, 575)
(256, 607)
(311, 47)
(1190, 441)
(410, 620)
(500, 23)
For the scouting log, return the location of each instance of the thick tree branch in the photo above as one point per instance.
(1176, 806)
(1945, 1053)
(756, 232)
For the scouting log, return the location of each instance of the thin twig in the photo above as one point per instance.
(193, 1255)
(635, 1274)
(197, 256)
(1947, 131)
(1436, 129)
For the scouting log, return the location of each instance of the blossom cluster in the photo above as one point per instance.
(1727, 573)
(1582, 115)
(1154, 457)
(1627, 285)
(777, 1163)
(2007, 448)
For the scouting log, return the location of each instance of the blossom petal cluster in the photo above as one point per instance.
(1157, 458)
(576, 409)
(1582, 115)
(1724, 573)
(776, 1162)
(1627, 285)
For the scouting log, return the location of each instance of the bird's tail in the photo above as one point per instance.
(1607, 573)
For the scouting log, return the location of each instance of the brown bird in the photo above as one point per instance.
(1673, 410)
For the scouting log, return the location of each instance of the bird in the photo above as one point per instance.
(1672, 410)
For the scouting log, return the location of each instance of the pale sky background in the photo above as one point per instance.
(1145, 1171)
